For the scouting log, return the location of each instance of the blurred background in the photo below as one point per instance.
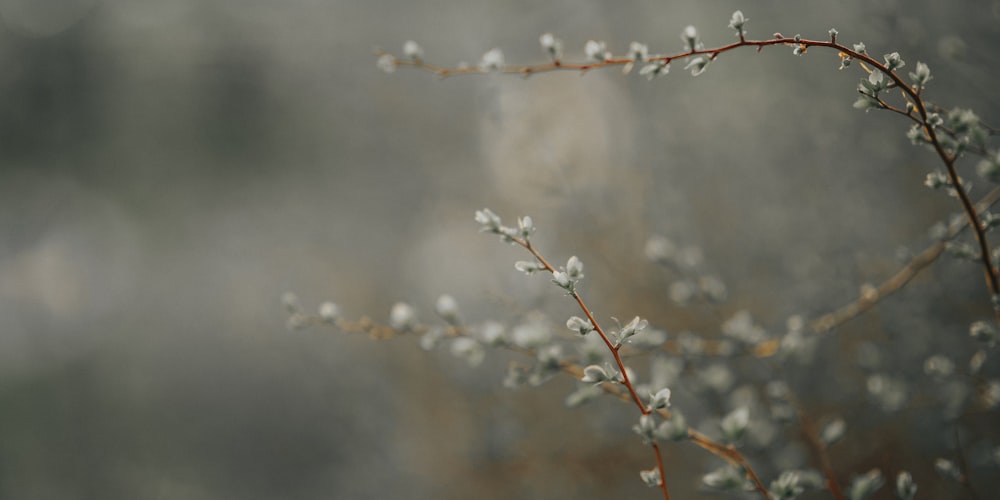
(169, 169)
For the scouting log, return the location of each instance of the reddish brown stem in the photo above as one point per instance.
(659, 465)
(812, 437)
(911, 93)
(597, 327)
(729, 454)
(614, 351)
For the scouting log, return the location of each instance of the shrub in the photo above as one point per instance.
(746, 367)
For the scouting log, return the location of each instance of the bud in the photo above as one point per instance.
(650, 477)
(893, 61)
(690, 37)
(386, 63)
(402, 316)
(594, 374)
(413, 50)
(737, 22)
(447, 308)
(735, 424)
(329, 312)
(906, 489)
(492, 61)
(833, 431)
(596, 50)
(659, 400)
(551, 45)
(579, 325)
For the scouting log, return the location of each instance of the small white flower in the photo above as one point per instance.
(596, 50)
(290, 301)
(447, 307)
(864, 485)
(660, 250)
(833, 431)
(550, 355)
(646, 429)
(977, 361)
(697, 65)
(492, 61)
(660, 400)
(893, 61)
(939, 366)
(489, 221)
(633, 327)
(386, 63)
(948, 469)
(561, 279)
(737, 22)
(492, 333)
(469, 350)
(402, 316)
(579, 325)
(433, 338)
(525, 226)
(551, 45)
(906, 489)
(531, 335)
(574, 268)
(724, 478)
(655, 69)
(690, 37)
(594, 374)
(413, 50)
(527, 267)
(989, 394)
(921, 75)
(650, 477)
(735, 424)
(639, 52)
(329, 311)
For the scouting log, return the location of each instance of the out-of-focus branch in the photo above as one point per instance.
(872, 296)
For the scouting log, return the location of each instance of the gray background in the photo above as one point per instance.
(168, 169)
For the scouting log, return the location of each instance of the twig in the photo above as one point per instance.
(910, 93)
(832, 320)
(614, 351)
(819, 447)
(729, 454)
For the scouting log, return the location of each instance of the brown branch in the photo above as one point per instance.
(659, 465)
(819, 447)
(911, 93)
(729, 454)
(381, 332)
(593, 321)
(832, 320)
(614, 351)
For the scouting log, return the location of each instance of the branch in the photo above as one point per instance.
(834, 319)
(911, 93)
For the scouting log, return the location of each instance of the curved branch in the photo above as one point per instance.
(910, 92)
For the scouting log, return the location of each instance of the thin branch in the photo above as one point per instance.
(819, 447)
(832, 320)
(911, 93)
(382, 332)
(614, 351)
(593, 321)
(659, 465)
(729, 454)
